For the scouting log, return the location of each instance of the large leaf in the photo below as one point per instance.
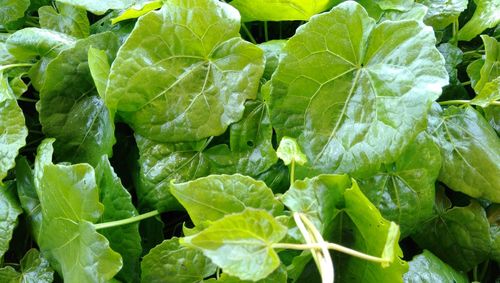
(99, 7)
(460, 235)
(170, 262)
(319, 198)
(67, 19)
(355, 93)
(193, 75)
(34, 269)
(9, 211)
(404, 191)
(28, 43)
(215, 196)
(426, 267)
(13, 131)
(485, 16)
(69, 107)
(99, 69)
(11, 10)
(117, 201)
(281, 10)
(470, 150)
(241, 243)
(70, 202)
(441, 13)
(278, 276)
(272, 52)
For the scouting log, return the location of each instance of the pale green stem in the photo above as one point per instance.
(307, 237)
(266, 32)
(127, 220)
(292, 171)
(452, 102)
(330, 246)
(5, 67)
(248, 33)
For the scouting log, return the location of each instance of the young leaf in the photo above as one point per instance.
(426, 267)
(485, 16)
(138, 10)
(99, 69)
(69, 108)
(170, 262)
(67, 19)
(70, 202)
(211, 198)
(490, 70)
(319, 198)
(117, 201)
(11, 10)
(9, 211)
(34, 268)
(452, 56)
(281, 10)
(488, 94)
(99, 7)
(289, 151)
(460, 236)
(442, 13)
(13, 131)
(470, 150)
(404, 191)
(376, 81)
(241, 243)
(193, 76)
(366, 230)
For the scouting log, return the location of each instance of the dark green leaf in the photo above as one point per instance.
(34, 269)
(485, 16)
(69, 107)
(470, 151)
(404, 191)
(170, 262)
(427, 267)
(67, 19)
(9, 211)
(193, 76)
(355, 95)
(118, 205)
(460, 236)
(241, 244)
(211, 198)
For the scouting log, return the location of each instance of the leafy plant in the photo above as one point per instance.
(249, 141)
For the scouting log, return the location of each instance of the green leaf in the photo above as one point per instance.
(34, 268)
(9, 211)
(404, 191)
(13, 131)
(193, 76)
(289, 151)
(490, 70)
(400, 5)
(474, 71)
(492, 114)
(137, 10)
(281, 10)
(452, 56)
(250, 151)
(485, 16)
(417, 12)
(488, 94)
(11, 10)
(160, 163)
(272, 52)
(365, 230)
(426, 267)
(67, 19)
(211, 198)
(28, 43)
(241, 244)
(117, 201)
(69, 107)
(442, 13)
(376, 82)
(170, 262)
(470, 150)
(320, 198)
(70, 202)
(278, 276)
(460, 236)
(99, 69)
(99, 7)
